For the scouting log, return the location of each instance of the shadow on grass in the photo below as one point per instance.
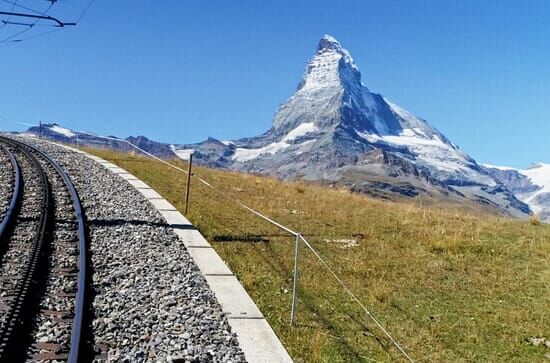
(278, 265)
(239, 238)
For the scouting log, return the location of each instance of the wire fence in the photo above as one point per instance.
(299, 240)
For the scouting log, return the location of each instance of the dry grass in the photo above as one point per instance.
(449, 285)
(534, 220)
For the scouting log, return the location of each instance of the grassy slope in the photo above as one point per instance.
(449, 285)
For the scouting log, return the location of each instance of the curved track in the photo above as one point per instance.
(50, 264)
(9, 216)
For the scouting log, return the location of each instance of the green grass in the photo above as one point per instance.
(448, 284)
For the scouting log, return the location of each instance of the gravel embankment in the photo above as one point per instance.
(152, 302)
(7, 176)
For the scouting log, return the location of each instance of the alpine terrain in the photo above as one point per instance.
(334, 129)
(531, 185)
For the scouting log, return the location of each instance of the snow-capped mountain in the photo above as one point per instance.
(334, 129)
(531, 185)
(55, 132)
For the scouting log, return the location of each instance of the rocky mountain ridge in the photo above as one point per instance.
(530, 185)
(334, 130)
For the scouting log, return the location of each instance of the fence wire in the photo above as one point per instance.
(296, 234)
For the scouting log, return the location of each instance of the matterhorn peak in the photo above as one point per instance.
(333, 129)
(330, 67)
(329, 42)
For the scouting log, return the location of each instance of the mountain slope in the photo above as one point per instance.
(334, 129)
(531, 185)
(451, 285)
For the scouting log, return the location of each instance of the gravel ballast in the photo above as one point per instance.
(151, 302)
(18, 247)
(60, 288)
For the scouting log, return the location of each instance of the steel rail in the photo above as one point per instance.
(80, 304)
(9, 218)
(15, 311)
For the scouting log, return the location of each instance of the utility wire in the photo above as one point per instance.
(38, 35)
(14, 4)
(85, 11)
(8, 18)
(5, 40)
(27, 29)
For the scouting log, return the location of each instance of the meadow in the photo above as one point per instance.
(448, 283)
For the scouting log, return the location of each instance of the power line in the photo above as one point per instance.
(5, 40)
(12, 9)
(43, 16)
(37, 17)
(37, 35)
(85, 11)
(15, 4)
(9, 22)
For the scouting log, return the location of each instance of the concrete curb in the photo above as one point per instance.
(256, 337)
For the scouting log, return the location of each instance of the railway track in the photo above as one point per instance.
(8, 207)
(43, 261)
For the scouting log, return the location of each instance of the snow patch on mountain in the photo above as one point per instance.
(411, 120)
(245, 154)
(61, 130)
(433, 152)
(323, 73)
(183, 154)
(301, 130)
(535, 192)
(539, 174)
(503, 168)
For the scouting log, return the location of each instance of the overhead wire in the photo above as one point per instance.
(28, 28)
(85, 11)
(38, 35)
(14, 4)
(8, 18)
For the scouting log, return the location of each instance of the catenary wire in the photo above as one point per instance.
(26, 29)
(85, 11)
(15, 4)
(8, 18)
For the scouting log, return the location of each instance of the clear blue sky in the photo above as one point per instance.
(179, 71)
